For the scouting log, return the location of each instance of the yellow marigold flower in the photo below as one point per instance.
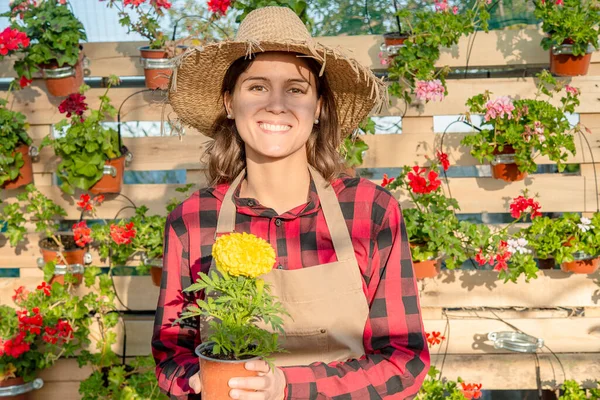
(243, 254)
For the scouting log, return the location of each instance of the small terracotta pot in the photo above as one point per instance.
(215, 374)
(585, 266)
(62, 81)
(25, 173)
(564, 63)
(157, 67)
(60, 271)
(109, 183)
(427, 269)
(503, 168)
(72, 256)
(394, 38)
(546, 263)
(156, 275)
(30, 386)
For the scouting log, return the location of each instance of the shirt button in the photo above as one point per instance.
(278, 222)
(280, 266)
(250, 203)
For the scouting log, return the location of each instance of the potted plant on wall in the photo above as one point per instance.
(412, 71)
(244, 300)
(16, 152)
(92, 156)
(580, 243)
(518, 131)
(55, 35)
(572, 28)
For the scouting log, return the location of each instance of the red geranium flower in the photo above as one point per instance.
(44, 287)
(520, 205)
(12, 39)
(20, 294)
(434, 338)
(386, 180)
(74, 104)
(14, 347)
(82, 233)
(161, 4)
(84, 202)
(122, 235)
(24, 82)
(443, 159)
(420, 184)
(134, 3)
(471, 390)
(99, 199)
(30, 321)
(219, 6)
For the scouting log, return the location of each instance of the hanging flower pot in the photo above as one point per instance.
(546, 263)
(215, 373)
(582, 264)
(504, 166)
(392, 41)
(72, 253)
(155, 268)
(60, 270)
(564, 63)
(112, 178)
(428, 268)
(26, 171)
(17, 389)
(158, 67)
(62, 81)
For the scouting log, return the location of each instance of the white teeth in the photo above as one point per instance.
(277, 128)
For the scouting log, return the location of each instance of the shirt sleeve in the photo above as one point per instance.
(173, 345)
(396, 359)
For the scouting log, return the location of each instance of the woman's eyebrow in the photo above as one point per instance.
(262, 78)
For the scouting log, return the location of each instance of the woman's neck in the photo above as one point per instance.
(280, 184)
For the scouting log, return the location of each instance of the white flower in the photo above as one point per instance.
(518, 246)
(585, 225)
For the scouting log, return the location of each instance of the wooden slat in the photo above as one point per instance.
(518, 371)
(472, 289)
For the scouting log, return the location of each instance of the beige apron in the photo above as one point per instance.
(326, 302)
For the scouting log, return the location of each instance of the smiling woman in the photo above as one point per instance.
(278, 105)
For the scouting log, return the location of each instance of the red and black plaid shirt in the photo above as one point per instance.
(397, 357)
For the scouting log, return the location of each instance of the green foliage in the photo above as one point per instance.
(40, 209)
(247, 6)
(146, 23)
(13, 133)
(353, 147)
(239, 303)
(86, 145)
(14, 223)
(571, 390)
(575, 21)
(437, 389)
(514, 128)
(54, 31)
(427, 31)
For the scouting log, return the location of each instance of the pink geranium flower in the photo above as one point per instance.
(499, 108)
(429, 90)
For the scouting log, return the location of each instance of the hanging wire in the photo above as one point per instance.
(368, 17)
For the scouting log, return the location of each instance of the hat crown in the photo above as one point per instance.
(272, 24)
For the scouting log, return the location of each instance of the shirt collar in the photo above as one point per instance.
(252, 207)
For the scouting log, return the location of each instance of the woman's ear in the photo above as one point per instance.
(227, 102)
(319, 104)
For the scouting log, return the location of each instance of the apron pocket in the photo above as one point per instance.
(311, 341)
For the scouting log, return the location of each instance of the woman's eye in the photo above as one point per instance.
(257, 87)
(297, 91)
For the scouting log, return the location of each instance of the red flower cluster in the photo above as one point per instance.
(499, 260)
(30, 323)
(82, 233)
(14, 347)
(219, 6)
(74, 104)
(20, 294)
(44, 287)
(133, 3)
(386, 181)
(434, 338)
(62, 331)
(12, 39)
(86, 205)
(22, 7)
(420, 184)
(24, 82)
(521, 204)
(161, 4)
(443, 159)
(122, 235)
(471, 390)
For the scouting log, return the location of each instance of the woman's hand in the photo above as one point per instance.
(268, 385)
(195, 383)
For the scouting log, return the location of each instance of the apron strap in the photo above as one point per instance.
(332, 212)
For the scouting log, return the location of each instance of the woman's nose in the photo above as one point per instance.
(276, 103)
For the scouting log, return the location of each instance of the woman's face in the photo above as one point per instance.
(274, 104)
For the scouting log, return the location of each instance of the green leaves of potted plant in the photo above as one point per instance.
(15, 154)
(55, 35)
(572, 28)
(518, 131)
(92, 156)
(243, 301)
(581, 243)
(412, 71)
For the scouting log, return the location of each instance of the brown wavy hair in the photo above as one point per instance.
(226, 155)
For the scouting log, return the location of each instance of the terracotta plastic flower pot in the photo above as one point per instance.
(427, 269)
(583, 264)
(391, 42)
(546, 263)
(17, 389)
(215, 374)
(156, 275)
(72, 253)
(112, 180)
(62, 81)
(61, 270)
(157, 67)
(25, 173)
(504, 166)
(564, 63)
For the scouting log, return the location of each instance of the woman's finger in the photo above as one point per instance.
(246, 395)
(258, 365)
(250, 383)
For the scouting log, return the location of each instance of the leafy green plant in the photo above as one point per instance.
(54, 31)
(435, 388)
(571, 390)
(13, 133)
(532, 127)
(86, 143)
(353, 147)
(300, 7)
(574, 22)
(413, 71)
(237, 299)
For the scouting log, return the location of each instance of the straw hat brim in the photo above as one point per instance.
(195, 87)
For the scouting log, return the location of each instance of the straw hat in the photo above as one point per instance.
(195, 88)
